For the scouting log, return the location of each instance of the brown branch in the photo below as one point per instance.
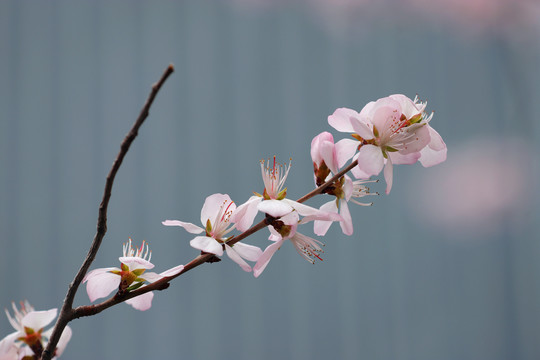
(163, 283)
(67, 313)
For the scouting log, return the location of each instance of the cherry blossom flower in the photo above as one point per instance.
(328, 158)
(273, 201)
(285, 229)
(29, 339)
(216, 217)
(391, 130)
(131, 275)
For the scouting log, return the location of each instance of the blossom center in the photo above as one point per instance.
(274, 178)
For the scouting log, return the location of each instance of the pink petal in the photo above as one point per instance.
(8, 349)
(420, 140)
(191, 228)
(386, 111)
(207, 244)
(275, 208)
(400, 159)
(134, 262)
(265, 258)
(212, 206)
(37, 320)
(234, 256)
(345, 149)
(348, 187)
(63, 341)
(329, 156)
(173, 271)
(316, 144)
(142, 302)
(435, 152)
(388, 175)
(248, 252)
(340, 119)
(370, 160)
(100, 284)
(362, 128)
(346, 224)
(320, 227)
(245, 214)
(152, 276)
(408, 108)
(357, 172)
(436, 142)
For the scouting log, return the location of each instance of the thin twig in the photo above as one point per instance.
(67, 312)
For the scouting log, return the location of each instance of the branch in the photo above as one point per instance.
(67, 312)
(163, 283)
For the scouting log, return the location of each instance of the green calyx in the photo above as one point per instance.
(281, 195)
(375, 131)
(208, 227)
(415, 119)
(136, 285)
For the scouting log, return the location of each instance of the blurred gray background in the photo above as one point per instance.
(446, 267)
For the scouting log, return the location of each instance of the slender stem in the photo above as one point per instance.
(67, 313)
(163, 283)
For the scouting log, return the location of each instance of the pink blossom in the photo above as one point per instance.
(131, 275)
(29, 335)
(285, 229)
(391, 130)
(216, 217)
(328, 158)
(273, 201)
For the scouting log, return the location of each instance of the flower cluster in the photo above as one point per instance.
(29, 338)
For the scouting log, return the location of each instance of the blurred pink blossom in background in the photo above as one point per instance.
(483, 187)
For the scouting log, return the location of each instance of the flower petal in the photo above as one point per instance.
(361, 128)
(275, 208)
(173, 271)
(38, 319)
(388, 175)
(345, 149)
(401, 159)
(320, 227)
(435, 152)
(386, 112)
(421, 139)
(408, 108)
(101, 282)
(340, 119)
(134, 262)
(316, 146)
(234, 256)
(207, 244)
(346, 224)
(248, 252)
(370, 160)
(8, 349)
(63, 341)
(328, 154)
(142, 302)
(191, 228)
(212, 206)
(245, 214)
(265, 258)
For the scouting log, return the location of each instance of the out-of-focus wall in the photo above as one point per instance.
(446, 267)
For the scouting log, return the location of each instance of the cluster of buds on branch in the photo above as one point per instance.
(390, 131)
